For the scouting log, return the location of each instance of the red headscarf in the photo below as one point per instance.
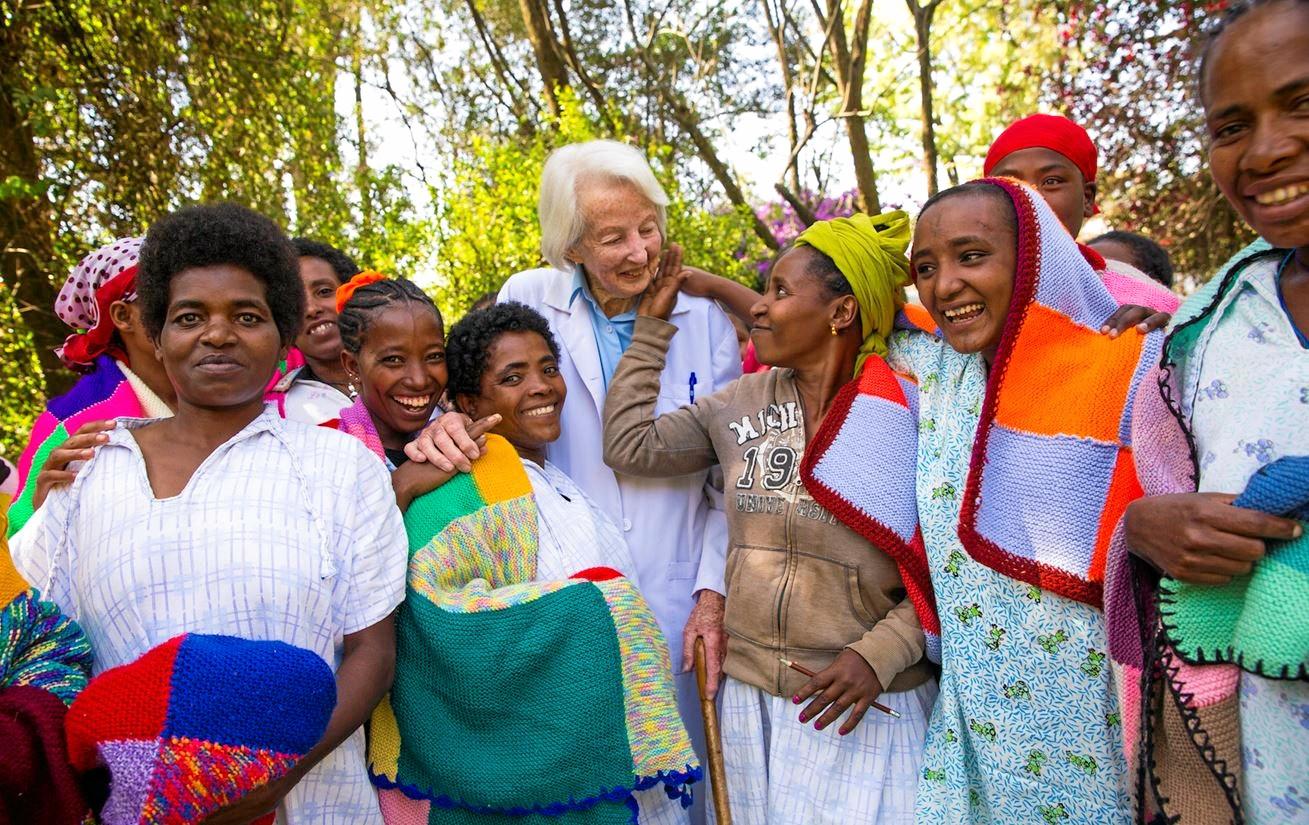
(1053, 132)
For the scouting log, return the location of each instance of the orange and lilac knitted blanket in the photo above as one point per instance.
(1052, 469)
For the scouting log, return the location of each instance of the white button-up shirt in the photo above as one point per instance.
(286, 532)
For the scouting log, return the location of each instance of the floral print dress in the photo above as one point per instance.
(1247, 397)
(1026, 725)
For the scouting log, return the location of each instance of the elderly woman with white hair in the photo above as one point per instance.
(603, 231)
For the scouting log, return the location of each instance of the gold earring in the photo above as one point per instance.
(833, 329)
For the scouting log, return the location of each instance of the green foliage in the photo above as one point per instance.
(21, 385)
(487, 227)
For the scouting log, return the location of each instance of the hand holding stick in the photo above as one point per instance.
(713, 740)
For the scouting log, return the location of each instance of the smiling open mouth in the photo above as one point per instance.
(1282, 194)
(964, 313)
(548, 409)
(321, 328)
(413, 403)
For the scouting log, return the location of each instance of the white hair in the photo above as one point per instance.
(562, 223)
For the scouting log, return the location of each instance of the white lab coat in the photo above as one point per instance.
(674, 527)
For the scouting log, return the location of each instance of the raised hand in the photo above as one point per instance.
(452, 442)
(661, 296)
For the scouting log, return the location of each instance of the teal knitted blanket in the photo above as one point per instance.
(513, 698)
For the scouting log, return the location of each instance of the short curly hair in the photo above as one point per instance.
(215, 234)
(469, 342)
(342, 264)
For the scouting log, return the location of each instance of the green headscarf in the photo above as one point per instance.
(870, 252)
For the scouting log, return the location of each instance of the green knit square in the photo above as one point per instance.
(1257, 621)
(428, 514)
(481, 684)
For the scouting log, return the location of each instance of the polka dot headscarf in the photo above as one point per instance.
(76, 304)
(106, 275)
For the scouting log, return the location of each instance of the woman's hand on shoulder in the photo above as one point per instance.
(1201, 538)
(452, 442)
(849, 682)
(661, 296)
(80, 446)
(1130, 315)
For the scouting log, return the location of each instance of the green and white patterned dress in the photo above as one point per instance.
(1026, 725)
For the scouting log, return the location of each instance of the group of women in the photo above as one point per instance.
(1017, 554)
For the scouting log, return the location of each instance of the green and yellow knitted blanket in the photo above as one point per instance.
(513, 698)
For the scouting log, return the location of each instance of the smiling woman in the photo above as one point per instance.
(1235, 378)
(319, 390)
(504, 365)
(227, 519)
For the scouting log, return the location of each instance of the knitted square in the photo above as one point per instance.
(197, 723)
(1055, 353)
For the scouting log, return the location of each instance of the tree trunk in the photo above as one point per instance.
(27, 227)
(361, 168)
(923, 30)
(705, 148)
(554, 74)
(777, 28)
(848, 60)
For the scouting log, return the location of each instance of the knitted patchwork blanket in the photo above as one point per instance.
(842, 457)
(1051, 470)
(45, 660)
(1247, 621)
(1177, 652)
(513, 697)
(197, 723)
(101, 394)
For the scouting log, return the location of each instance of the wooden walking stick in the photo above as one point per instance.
(713, 739)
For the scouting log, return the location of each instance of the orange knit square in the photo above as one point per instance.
(1063, 396)
(1124, 488)
(492, 485)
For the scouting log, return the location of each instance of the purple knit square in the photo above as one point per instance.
(131, 764)
(860, 466)
(1062, 482)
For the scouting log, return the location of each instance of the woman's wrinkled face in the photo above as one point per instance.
(523, 384)
(619, 248)
(792, 321)
(400, 370)
(963, 260)
(319, 338)
(219, 343)
(1257, 116)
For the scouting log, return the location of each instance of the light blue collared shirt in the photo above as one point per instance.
(612, 335)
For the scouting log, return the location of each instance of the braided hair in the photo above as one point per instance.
(354, 317)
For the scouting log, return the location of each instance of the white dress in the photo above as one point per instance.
(286, 532)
